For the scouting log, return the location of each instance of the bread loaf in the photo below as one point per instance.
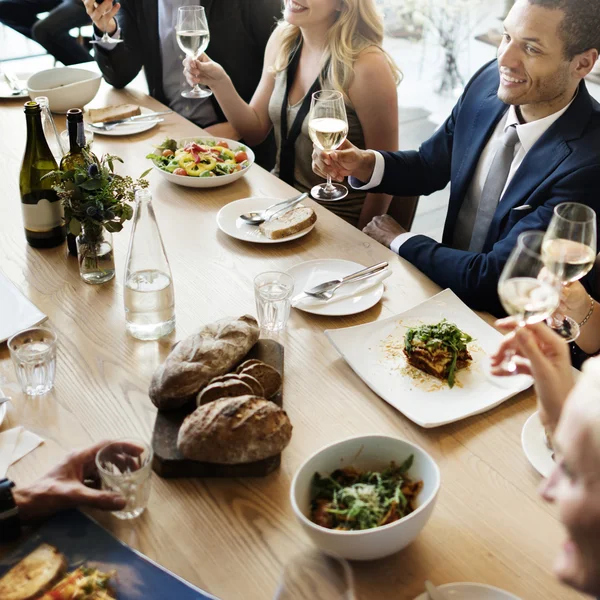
(268, 377)
(289, 223)
(112, 113)
(257, 388)
(234, 431)
(194, 361)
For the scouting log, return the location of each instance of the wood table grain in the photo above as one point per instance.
(231, 537)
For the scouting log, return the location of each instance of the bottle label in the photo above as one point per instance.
(42, 211)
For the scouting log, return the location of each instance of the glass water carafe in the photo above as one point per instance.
(149, 296)
(50, 131)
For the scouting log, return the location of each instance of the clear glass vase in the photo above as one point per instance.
(149, 295)
(95, 255)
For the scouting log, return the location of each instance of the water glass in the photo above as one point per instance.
(33, 352)
(125, 467)
(272, 293)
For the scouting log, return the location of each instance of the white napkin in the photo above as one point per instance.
(17, 312)
(348, 290)
(14, 445)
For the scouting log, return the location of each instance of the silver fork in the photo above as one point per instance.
(325, 291)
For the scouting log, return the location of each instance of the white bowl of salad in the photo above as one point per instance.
(201, 162)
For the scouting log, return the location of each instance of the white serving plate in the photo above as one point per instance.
(229, 222)
(127, 128)
(471, 591)
(207, 182)
(533, 441)
(374, 351)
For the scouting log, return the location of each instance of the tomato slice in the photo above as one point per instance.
(223, 144)
(241, 156)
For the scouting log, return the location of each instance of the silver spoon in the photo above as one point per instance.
(260, 216)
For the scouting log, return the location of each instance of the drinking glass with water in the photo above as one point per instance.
(125, 467)
(33, 352)
(272, 292)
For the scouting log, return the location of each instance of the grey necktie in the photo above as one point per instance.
(493, 187)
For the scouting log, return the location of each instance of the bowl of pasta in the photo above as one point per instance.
(201, 162)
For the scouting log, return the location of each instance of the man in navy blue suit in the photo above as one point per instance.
(524, 137)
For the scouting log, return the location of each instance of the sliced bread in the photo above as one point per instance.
(114, 112)
(291, 222)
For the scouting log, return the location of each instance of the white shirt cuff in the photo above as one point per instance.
(398, 241)
(115, 36)
(376, 178)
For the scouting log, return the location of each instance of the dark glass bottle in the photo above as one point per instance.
(74, 157)
(42, 210)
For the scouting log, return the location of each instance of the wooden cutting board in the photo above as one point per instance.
(169, 463)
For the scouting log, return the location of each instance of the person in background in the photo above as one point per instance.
(63, 487)
(52, 32)
(571, 414)
(320, 44)
(239, 31)
(523, 137)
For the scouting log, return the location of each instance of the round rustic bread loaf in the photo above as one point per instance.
(234, 431)
(268, 377)
(194, 361)
(230, 388)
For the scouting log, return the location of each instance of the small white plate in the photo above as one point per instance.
(313, 272)
(471, 591)
(533, 441)
(128, 128)
(229, 222)
(375, 353)
(6, 90)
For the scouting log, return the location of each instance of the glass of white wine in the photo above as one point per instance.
(527, 290)
(569, 252)
(193, 37)
(107, 39)
(328, 128)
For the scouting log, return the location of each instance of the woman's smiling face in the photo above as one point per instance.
(305, 13)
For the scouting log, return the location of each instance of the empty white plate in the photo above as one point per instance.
(229, 222)
(313, 272)
(533, 441)
(471, 591)
(129, 128)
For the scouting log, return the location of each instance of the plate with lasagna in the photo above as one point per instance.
(429, 362)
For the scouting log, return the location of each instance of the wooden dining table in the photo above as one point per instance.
(232, 537)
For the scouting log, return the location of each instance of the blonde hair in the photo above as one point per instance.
(357, 28)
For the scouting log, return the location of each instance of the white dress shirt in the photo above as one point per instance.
(529, 134)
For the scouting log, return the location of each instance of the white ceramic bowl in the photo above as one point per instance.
(207, 182)
(373, 452)
(65, 87)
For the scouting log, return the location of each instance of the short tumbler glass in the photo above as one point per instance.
(125, 467)
(272, 292)
(33, 352)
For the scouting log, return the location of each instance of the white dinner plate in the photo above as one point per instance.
(471, 591)
(229, 222)
(6, 91)
(128, 128)
(313, 272)
(533, 441)
(374, 351)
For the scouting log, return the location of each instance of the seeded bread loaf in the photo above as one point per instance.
(194, 361)
(234, 431)
(291, 222)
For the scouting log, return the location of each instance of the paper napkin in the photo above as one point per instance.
(14, 445)
(17, 312)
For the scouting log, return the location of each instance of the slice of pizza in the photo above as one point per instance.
(82, 584)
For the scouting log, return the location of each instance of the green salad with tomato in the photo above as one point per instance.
(199, 158)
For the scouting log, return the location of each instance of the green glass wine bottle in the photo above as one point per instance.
(42, 210)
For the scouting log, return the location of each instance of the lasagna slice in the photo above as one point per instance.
(439, 350)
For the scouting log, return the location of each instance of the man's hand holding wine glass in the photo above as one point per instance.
(103, 14)
(346, 161)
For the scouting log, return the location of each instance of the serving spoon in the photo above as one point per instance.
(260, 216)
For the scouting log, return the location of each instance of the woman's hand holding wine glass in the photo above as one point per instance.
(203, 70)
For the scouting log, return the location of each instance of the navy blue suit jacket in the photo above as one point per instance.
(564, 165)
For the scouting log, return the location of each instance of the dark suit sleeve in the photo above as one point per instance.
(122, 64)
(474, 276)
(263, 17)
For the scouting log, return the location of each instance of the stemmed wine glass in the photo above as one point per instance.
(527, 290)
(569, 252)
(328, 128)
(107, 39)
(193, 37)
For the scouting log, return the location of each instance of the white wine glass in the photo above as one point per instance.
(314, 575)
(528, 292)
(107, 39)
(328, 128)
(569, 252)
(193, 37)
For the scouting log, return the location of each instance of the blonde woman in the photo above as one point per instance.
(319, 44)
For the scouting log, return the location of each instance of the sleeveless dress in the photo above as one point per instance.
(350, 207)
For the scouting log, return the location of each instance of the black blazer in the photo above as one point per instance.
(239, 31)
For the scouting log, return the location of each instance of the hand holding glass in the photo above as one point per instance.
(106, 39)
(193, 37)
(328, 128)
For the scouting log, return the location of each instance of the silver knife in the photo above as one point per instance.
(434, 593)
(132, 119)
(14, 83)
